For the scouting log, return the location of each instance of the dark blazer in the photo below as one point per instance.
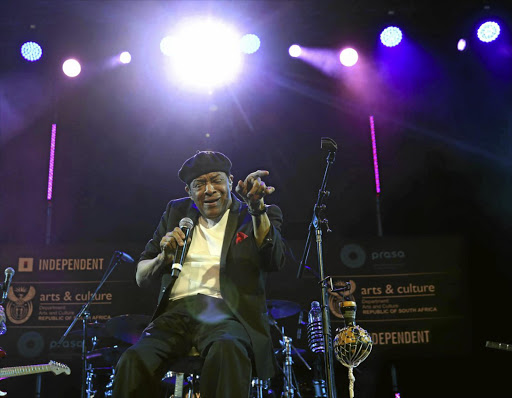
(243, 268)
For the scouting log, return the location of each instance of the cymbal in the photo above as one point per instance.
(282, 308)
(109, 355)
(127, 328)
(92, 330)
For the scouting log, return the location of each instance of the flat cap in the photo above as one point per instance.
(204, 162)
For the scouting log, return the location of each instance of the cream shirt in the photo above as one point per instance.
(200, 273)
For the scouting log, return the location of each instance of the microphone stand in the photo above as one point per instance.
(289, 376)
(84, 314)
(315, 227)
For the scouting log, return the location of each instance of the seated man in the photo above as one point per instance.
(217, 302)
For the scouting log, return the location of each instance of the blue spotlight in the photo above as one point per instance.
(31, 51)
(391, 36)
(250, 43)
(488, 31)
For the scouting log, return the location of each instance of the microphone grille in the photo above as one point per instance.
(9, 271)
(186, 223)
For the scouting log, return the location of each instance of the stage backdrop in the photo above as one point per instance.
(411, 296)
(411, 293)
(50, 286)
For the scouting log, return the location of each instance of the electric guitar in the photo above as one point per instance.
(498, 346)
(52, 366)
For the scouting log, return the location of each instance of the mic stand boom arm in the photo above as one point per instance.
(318, 221)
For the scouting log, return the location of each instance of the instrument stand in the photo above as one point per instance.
(315, 228)
(289, 390)
(38, 386)
(85, 314)
(258, 384)
(289, 377)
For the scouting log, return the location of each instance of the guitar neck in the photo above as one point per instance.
(498, 346)
(24, 370)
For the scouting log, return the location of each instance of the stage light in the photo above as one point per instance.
(125, 57)
(250, 43)
(348, 57)
(295, 51)
(52, 162)
(31, 51)
(204, 54)
(374, 153)
(461, 45)
(488, 31)
(391, 36)
(71, 68)
(168, 45)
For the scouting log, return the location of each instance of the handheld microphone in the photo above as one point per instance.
(9, 272)
(125, 257)
(186, 225)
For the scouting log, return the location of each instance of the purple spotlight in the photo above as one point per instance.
(250, 43)
(488, 31)
(31, 51)
(71, 68)
(461, 45)
(125, 57)
(391, 36)
(295, 51)
(348, 57)
(52, 162)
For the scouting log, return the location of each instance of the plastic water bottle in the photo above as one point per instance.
(315, 328)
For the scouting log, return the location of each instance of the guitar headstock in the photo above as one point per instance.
(59, 368)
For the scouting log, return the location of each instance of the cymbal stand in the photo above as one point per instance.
(289, 389)
(274, 323)
(258, 384)
(89, 382)
(289, 377)
(89, 371)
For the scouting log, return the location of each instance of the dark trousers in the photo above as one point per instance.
(201, 321)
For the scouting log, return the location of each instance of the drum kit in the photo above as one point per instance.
(125, 330)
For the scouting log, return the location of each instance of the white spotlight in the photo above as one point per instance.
(168, 45)
(71, 67)
(204, 53)
(348, 57)
(125, 57)
(295, 51)
(461, 45)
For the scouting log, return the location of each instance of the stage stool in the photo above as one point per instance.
(191, 365)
